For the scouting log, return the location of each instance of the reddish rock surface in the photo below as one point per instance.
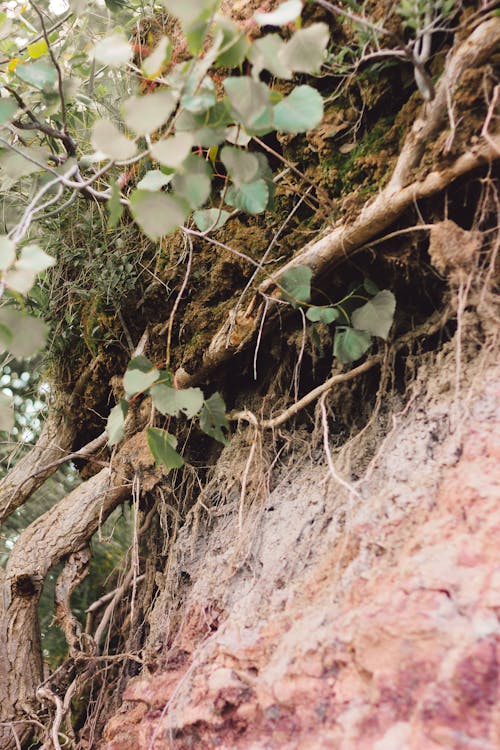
(348, 622)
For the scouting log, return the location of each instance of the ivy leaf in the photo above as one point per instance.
(157, 214)
(145, 114)
(108, 140)
(28, 333)
(171, 401)
(113, 50)
(322, 314)
(162, 446)
(377, 315)
(350, 345)
(305, 52)
(194, 181)
(240, 165)
(154, 180)
(116, 422)
(213, 418)
(8, 108)
(286, 13)
(115, 208)
(40, 75)
(296, 285)
(172, 151)
(139, 376)
(248, 99)
(210, 218)
(160, 56)
(7, 252)
(6, 412)
(251, 197)
(299, 112)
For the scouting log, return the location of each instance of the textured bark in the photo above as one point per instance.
(64, 529)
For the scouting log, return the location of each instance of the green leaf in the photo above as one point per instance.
(41, 75)
(28, 333)
(139, 376)
(154, 180)
(350, 345)
(172, 151)
(234, 45)
(377, 315)
(237, 136)
(162, 446)
(322, 315)
(296, 285)
(299, 112)
(306, 50)
(16, 165)
(370, 286)
(145, 114)
(116, 422)
(194, 16)
(248, 99)
(265, 55)
(8, 108)
(37, 49)
(153, 64)
(21, 277)
(7, 252)
(114, 50)
(241, 166)
(210, 218)
(107, 139)
(171, 401)
(251, 197)
(213, 418)
(157, 214)
(6, 412)
(199, 97)
(194, 181)
(115, 208)
(285, 13)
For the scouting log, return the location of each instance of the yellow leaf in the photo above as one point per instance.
(13, 64)
(37, 49)
(212, 153)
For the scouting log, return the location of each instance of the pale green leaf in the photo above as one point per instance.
(237, 135)
(350, 345)
(162, 446)
(116, 422)
(248, 99)
(234, 44)
(213, 418)
(154, 180)
(153, 64)
(41, 75)
(6, 412)
(265, 55)
(172, 401)
(157, 214)
(306, 50)
(8, 108)
(199, 97)
(377, 315)
(111, 142)
(302, 110)
(22, 164)
(194, 181)
(296, 285)
(322, 315)
(145, 114)
(241, 166)
(114, 205)
(7, 252)
(285, 13)
(28, 333)
(139, 376)
(172, 151)
(113, 50)
(251, 197)
(34, 259)
(210, 219)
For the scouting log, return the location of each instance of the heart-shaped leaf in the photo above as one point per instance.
(113, 50)
(172, 401)
(28, 333)
(157, 214)
(377, 315)
(213, 418)
(285, 13)
(251, 197)
(139, 376)
(350, 345)
(302, 110)
(145, 114)
(305, 52)
(296, 285)
(116, 422)
(210, 218)
(162, 446)
(322, 314)
(108, 140)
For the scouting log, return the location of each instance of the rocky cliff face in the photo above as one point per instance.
(347, 619)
